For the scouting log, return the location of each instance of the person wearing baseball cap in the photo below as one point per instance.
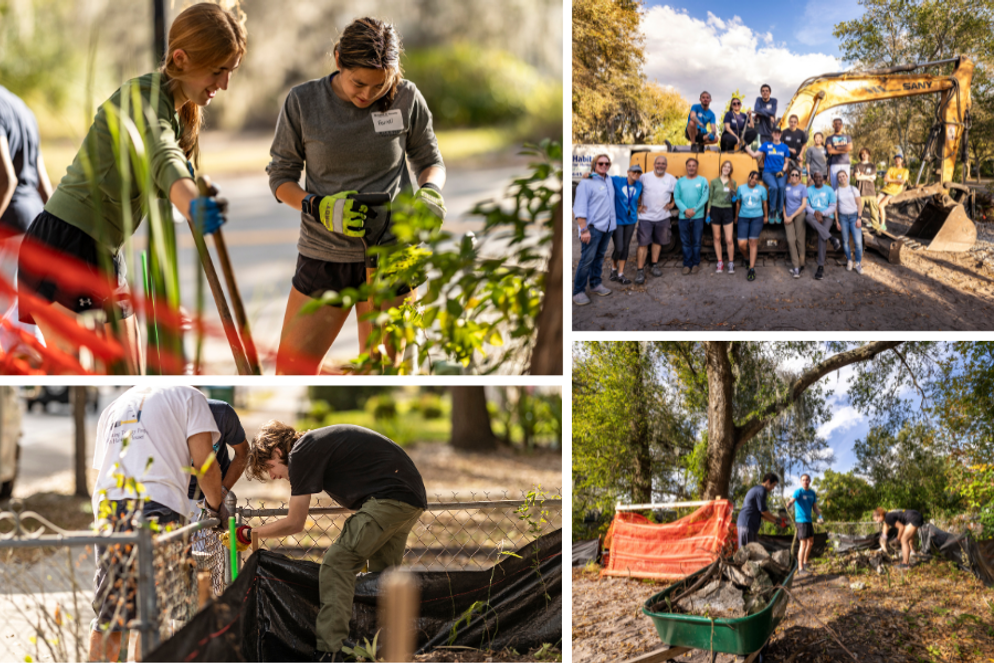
(774, 164)
(627, 191)
(754, 510)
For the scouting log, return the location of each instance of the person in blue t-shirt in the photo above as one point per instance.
(804, 500)
(754, 510)
(627, 191)
(774, 155)
(751, 213)
(701, 123)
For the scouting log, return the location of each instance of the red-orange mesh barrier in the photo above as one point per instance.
(640, 549)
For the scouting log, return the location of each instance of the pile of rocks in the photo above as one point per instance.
(734, 588)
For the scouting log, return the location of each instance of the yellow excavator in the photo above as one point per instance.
(943, 209)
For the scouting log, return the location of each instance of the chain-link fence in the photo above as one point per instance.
(53, 582)
(459, 531)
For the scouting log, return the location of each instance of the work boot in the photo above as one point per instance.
(639, 276)
(601, 290)
(654, 270)
(686, 271)
(614, 275)
(695, 269)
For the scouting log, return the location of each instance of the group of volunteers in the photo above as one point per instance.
(152, 435)
(614, 208)
(356, 130)
(804, 500)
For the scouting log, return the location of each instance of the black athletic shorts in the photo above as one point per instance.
(54, 234)
(805, 531)
(722, 216)
(314, 277)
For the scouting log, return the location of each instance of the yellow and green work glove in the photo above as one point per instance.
(430, 196)
(338, 213)
(243, 538)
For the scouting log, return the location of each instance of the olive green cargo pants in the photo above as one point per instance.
(376, 533)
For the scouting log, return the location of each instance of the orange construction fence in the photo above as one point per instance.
(640, 549)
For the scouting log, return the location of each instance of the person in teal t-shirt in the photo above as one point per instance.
(751, 212)
(804, 500)
(691, 195)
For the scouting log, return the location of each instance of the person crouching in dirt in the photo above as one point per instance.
(804, 500)
(754, 510)
(361, 470)
(907, 523)
(163, 430)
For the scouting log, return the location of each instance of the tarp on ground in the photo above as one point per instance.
(268, 613)
(775, 543)
(671, 551)
(586, 551)
(977, 557)
(849, 542)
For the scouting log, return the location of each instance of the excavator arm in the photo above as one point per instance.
(821, 93)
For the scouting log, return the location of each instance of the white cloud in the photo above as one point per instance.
(843, 419)
(722, 55)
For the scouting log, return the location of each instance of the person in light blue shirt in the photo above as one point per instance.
(701, 123)
(803, 501)
(691, 195)
(820, 216)
(774, 155)
(596, 220)
(751, 212)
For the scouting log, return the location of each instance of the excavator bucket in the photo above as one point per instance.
(943, 226)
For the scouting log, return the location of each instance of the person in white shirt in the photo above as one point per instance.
(145, 442)
(654, 216)
(848, 206)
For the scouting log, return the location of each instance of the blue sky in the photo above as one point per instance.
(725, 46)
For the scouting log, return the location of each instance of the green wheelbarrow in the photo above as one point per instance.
(745, 636)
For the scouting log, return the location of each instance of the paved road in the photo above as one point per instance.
(261, 236)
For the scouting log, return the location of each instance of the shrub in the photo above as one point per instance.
(382, 407)
(430, 406)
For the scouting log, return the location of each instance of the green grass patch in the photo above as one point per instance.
(406, 428)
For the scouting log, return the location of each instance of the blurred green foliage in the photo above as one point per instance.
(467, 86)
(382, 407)
(405, 426)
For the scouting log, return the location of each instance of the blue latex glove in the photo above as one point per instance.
(707, 219)
(711, 136)
(206, 214)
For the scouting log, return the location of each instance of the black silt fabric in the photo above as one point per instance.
(268, 613)
(586, 551)
(847, 542)
(775, 543)
(969, 555)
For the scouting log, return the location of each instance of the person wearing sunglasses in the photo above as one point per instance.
(739, 130)
(594, 211)
(627, 191)
(795, 201)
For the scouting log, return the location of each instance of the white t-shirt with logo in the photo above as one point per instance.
(158, 422)
(657, 193)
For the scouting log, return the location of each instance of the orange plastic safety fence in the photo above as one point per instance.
(640, 549)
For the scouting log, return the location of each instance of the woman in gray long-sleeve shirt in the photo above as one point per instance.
(357, 130)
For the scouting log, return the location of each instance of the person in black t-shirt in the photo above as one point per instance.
(907, 523)
(361, 470)
(796, 140)
(233, 435)
(739, 131)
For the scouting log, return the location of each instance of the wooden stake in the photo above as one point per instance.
(204, 588)
(399, 595)
(255, 541)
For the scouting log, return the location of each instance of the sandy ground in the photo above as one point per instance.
(929, 291)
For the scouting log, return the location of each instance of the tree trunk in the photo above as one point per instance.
(547, 357)
(725, 438)
(642, 474)
(77, 396)
(721, 426)
(470, 420)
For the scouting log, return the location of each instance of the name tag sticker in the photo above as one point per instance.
(388, 123)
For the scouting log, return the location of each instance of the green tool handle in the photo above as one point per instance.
(233, 544)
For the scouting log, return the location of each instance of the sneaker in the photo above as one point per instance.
(800, 269)
(796, 273)
(581, 299)
(686, 270)
(721, 266)
(751, 276)
(614, 275)
(695, 269)
(655, 270)
(624, 280)
(601, 290)
(836, 244)
(849, 265)
(858, 267)
(731, 267)
(639, 276)
(819, 273)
